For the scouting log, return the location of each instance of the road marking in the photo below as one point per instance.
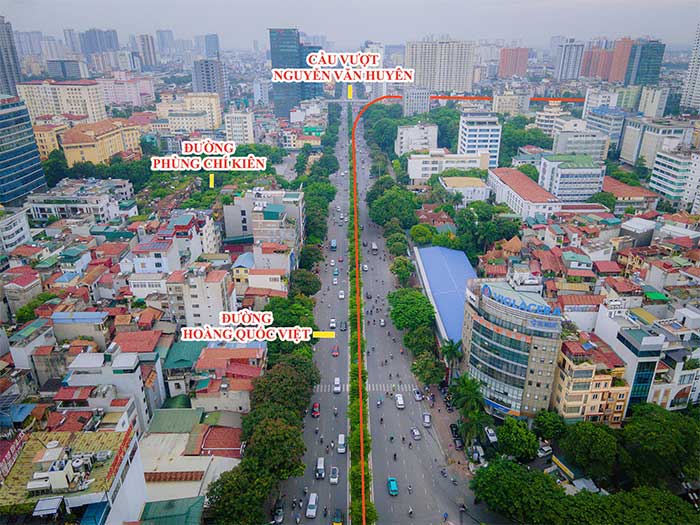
(328, 387)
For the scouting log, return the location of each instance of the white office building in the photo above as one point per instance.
(415, 138)
(470, 188)
(652, 102)
(416, 101)
(676, 176)
(544, 119)
(442, 65)
(571, 136)
(608, 121)
(571, 178)
(421, 166)
(691, 88)
(522, 195)
(14, 229)
(567, 65)
(597, 97)
(643, 137)
(480, 131)
(239, 127)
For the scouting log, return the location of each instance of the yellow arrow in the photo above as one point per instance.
(350, 92)
(324, 335)
(211, 180)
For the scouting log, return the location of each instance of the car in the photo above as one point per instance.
(417, 394)
(341, 215)
(368, 295)
(341, 294)
(365, 268)
(337, 517)
(337, 208)
(332, 323)
(454, 430)
(382, 322)
(399, 401)
(415, 433)
(337, 388)
(362, 226)
(336, 272)
(544, 451)
(278, 514)
(364, 243)
(340, 259)
(316, 409)
(335, 352)
(335, 476)
(347, 219)
(332, 262)
(312, 505)
(427, 420)
(343, 326)
(335, 280)
(393, 486)
(459, 444)
(491, 435)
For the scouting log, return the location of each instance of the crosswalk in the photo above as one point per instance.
(372, 387)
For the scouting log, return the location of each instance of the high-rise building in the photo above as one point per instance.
(208, 77)
(480, 131)
(261, 92)
(211, 46)
(511, 103)
(607, 120)
(9, 61)
(442, 65)
(375, 89)
(21, 171)
(544, 119)
(67, 69)
(416, 101)
(581, 142)
(165, 40)
(98, 41)
(644, 65)
(309, 90)
(285, 52)
(239, 127)
(652, 102)
(28, 43)
(676, 176)
(554, 43)
(621, 56)
(51, 97)
(568, 62)
(597, 62)
(643, 137)
(415, 138)
(147, 49)
(571, 178)
(513, 62)
(691, 87)
(511, 341)
(72, 41)
(597, 97)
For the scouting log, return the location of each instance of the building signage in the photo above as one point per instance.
(534, 308)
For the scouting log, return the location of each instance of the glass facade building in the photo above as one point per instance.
(285, 52)
(20, 168)
(644, 64)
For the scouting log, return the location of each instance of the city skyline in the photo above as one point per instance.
(669, 22)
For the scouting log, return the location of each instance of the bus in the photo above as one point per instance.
(334, 245)
(375, 250)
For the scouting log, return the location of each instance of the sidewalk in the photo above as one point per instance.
(456, 460)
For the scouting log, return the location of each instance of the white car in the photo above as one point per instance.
(335, 476)
(415, 433)
(332, 262)
(417, 395)
(332, 323)
(365, 268)
(399, 401)
(341, 294)
(336, 386)
(382, 322)
(337, 208)
(427, 419)
(544, 451)
(335, 280)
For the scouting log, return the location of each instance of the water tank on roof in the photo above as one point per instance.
(52, 444)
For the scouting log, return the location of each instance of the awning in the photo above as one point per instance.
(95, 513)
(48, 506)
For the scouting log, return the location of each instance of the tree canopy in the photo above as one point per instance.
(410, 309)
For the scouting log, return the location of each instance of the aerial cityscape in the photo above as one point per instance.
(349, 263)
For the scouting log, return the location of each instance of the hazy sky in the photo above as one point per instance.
(349, 22)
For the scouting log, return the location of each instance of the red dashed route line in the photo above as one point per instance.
(358, 295)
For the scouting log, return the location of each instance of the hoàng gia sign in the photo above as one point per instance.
(534, 308)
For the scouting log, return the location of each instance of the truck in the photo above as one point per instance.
(375, 250)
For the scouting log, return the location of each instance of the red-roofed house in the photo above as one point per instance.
(637, 197)
(18, 286)
(630, 294)
(138, 342)
(605, 268)
(590, 384)
(522, 195)
(581, 309)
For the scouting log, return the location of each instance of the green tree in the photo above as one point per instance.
(549, 425)
(394, 202)
(310, 256)
(605, 198)
(284, 386)
(421, 234)
(640, 168)
(629, 210)
(392, 228)
(304, 365)
(525, 496)
(420, 340)
(268, 411)
(471, 424)
(26, 313)
(515, 439)
(466, 394)
(452, 352)
(303, 282)
(410, 309)
(55, 167)
(396, 237)
(402, 268)
(238, 496)
(428, 369)
(278, 447)
(530, 171)
(397, 248)
(660, 445)
(592, 447)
